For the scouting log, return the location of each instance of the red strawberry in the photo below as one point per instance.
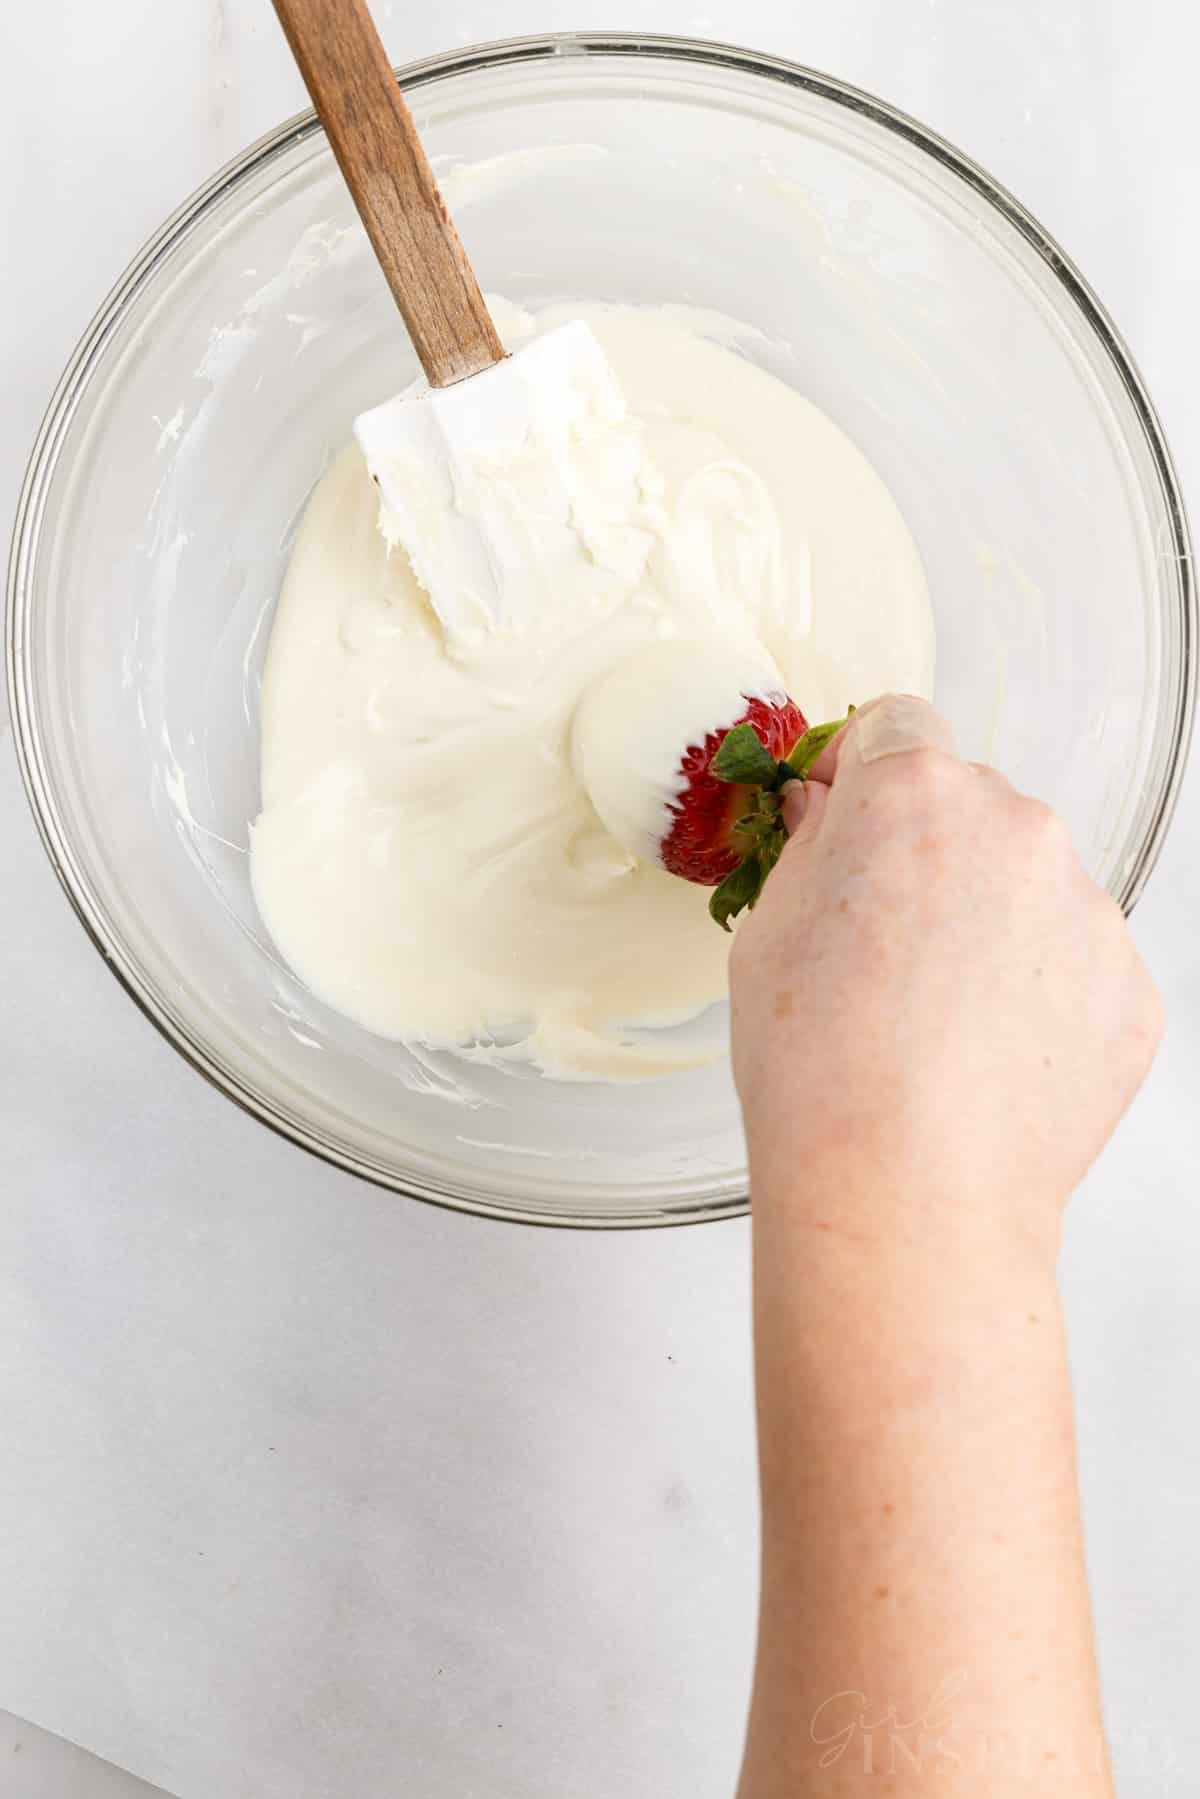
(706, 809)
(737, 841)
(703, 844)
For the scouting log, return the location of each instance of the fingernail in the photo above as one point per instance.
(900, 723)
(794, 795)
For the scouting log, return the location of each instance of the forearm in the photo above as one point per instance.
(924, 1604)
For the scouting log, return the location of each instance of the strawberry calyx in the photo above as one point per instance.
(744, 760)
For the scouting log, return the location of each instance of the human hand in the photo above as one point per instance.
(936, 1014)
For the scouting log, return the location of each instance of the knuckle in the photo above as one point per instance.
(934, 770)
(922, 776)
(1149, 1009)
(1046, 835)
(1140, 1013)
(1045, 823)
(1107, 936)
(1112, 927)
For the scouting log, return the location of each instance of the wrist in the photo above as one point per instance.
(893, 1339)
(859, 1207)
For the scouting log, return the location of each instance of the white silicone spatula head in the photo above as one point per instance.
(502, 477)
(516, 488)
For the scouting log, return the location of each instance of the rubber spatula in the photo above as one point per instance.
(509, 480)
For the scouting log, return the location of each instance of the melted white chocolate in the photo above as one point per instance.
(428, 857)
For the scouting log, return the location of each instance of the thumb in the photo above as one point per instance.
(884, 727)
(804, 804)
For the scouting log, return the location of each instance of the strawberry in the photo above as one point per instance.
(682, 749)
(727, 831)
(704, 844)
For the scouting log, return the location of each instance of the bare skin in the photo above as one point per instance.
(938, 1020)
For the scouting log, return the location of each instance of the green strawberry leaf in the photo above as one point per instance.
(743, 758)
(770, 851)
(761, 820)
(806, 753)
(738, 890)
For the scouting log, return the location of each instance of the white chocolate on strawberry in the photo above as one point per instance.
(636, 720)
(450, 848)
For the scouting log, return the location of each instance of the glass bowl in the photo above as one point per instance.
(877, 269)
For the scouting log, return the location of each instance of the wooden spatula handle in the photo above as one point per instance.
(346, 70)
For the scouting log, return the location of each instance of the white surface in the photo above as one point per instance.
(555, 1524)
(35, 1765)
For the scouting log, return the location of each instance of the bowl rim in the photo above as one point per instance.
(1178, 710)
